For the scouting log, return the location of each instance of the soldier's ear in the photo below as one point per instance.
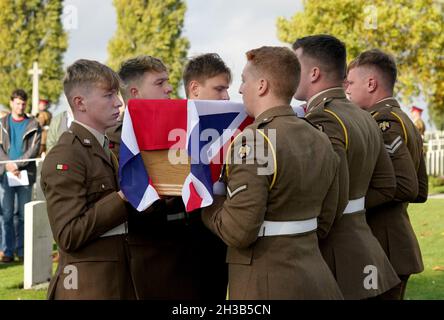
(193, 89)
(134, 92)
(263, 86)
(315, 74)
(78, 103)
(372, 84)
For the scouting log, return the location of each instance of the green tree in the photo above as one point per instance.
(152, 27)
(411, 30)
(31, 30)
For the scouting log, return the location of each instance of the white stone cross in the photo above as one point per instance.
(35, 72)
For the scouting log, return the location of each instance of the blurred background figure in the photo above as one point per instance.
(44, 118)
(416, 113)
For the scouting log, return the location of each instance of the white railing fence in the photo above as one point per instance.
(434, 146)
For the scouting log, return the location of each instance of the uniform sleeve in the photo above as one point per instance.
(405, 172)
(336, 134)
(73, 223)
(238, 219)
(329, 210)
(422, 181)
(382, 185)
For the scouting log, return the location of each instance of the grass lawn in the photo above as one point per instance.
(427, 220)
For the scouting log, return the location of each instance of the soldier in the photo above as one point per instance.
(270, 217)
(419, 123)
(206, 77)
(181, 254)
(371, 79)
(366, 173)
(44, 118)
(86, 211)
(145, 77)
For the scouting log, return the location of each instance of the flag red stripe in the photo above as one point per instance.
(195, 201)
(153, 121)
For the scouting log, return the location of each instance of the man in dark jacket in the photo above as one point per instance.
(20, 140)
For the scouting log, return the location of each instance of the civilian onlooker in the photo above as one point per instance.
(20, 140)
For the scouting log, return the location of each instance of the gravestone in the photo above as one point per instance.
(38, 245)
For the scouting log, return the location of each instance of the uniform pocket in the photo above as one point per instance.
(98, 188)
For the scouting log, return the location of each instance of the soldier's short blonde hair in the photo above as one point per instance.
(281, 68)
(85, 73)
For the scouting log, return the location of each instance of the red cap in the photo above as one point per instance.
(415, 108)
(43, 101)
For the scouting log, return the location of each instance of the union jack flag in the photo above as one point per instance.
(210, 127)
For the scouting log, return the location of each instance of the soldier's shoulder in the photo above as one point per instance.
(389, 118)
(384, 112)
(68, 151)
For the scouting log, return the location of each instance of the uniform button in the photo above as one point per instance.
(103, 186)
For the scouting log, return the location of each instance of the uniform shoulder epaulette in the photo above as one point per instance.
(385, 116)
(67, 137)
(265, 121)
(244, 150)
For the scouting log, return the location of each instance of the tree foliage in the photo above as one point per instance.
(31, 30)
(152, 27)
(411, 30)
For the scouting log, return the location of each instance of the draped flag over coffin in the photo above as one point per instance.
(176, 147)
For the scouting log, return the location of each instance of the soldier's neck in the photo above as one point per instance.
(267, 103)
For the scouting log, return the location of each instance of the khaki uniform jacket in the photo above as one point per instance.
(185, 260)
(390, 222)
(44, 119)
(79, 183)
(365, 171)
(113, 135)
(297, 180)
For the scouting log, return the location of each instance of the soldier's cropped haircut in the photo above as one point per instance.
(280, 66)
(383, 62)
(328, 51)
(19, 93)
(134, 68)
(85, 73)
(203, 67)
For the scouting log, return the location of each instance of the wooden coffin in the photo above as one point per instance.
(167, 177)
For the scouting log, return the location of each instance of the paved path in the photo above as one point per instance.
(436, 196)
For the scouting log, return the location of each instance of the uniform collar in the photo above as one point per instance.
(87, 138)
(99, 136)
(269, 114)
(386, 102)
(336, 92)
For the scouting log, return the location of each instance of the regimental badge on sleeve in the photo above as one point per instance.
(384, 126)
(62, 167)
